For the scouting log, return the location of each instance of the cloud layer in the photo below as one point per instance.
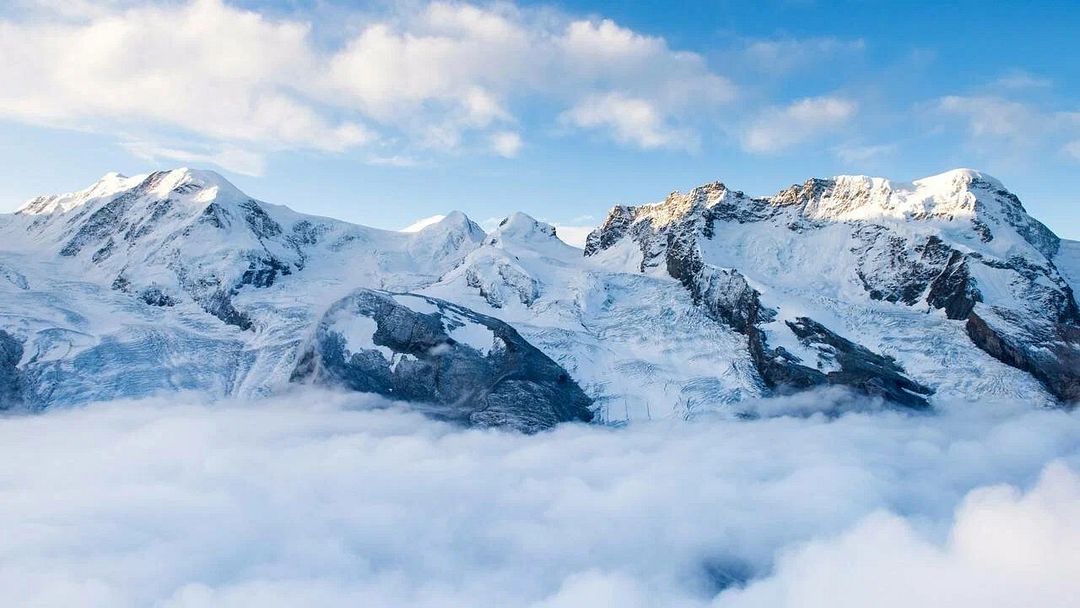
(404, 84)
(1005, 549)
(443, 77)
(317, 499)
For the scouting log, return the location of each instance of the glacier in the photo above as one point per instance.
(917, 293)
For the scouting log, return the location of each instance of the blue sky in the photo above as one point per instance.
(382, 113)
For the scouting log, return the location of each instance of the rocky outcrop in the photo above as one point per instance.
(953, 290)
(866, 371)
(885, 288)
(1053, 358)
(958, 242)
(448, 361)
(12, 383)
(669, 234)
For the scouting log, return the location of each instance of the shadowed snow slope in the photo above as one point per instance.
(911, 293)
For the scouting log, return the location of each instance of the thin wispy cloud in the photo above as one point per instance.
(779, 128)
(1010, 129)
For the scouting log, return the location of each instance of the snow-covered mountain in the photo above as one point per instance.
(916, 293)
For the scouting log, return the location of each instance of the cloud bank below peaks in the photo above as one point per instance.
(330, 500)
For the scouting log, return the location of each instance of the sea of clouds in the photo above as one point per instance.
(316, 499)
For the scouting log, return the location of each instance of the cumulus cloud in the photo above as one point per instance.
(630, 120)
(205, 67)
(434, 78)
(992, 116)
(1006, 549)
(779, 128)
(1008, 128)
(506, 143)
(333, 500)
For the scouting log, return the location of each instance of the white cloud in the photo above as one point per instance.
(506, 143)
(205, 67)
(856, 154)
(394, 160)
(779, 128)
(992, 116)
(1006, 128)
(430, 77)
(72, 9)
(1006, 549)
(784, 55)
(1073, 149)
(227, 157)
(1022, 80)
(317, 499)
(630, 120)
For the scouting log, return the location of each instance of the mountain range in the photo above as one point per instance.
(912, 294)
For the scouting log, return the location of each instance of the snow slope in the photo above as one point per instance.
(919, 293)
(919, 273)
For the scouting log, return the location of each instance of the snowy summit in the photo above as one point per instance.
(187, 283)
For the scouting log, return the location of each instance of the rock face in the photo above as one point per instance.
(918, 294)
(191, 235)
(861, 369)
(958, 242)
(464, 366)
(12, 383)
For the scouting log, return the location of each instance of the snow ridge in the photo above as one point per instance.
(912, 292)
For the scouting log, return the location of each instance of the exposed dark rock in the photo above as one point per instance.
(860, 368)
(143, 226)
(953, 290)
(780, 371)
(121, 283)
(726, 296)
(1054, 361)
(12, 382)
(101, 224)
(893, 269)
(611, 231)
(813, 189)
(215, 215)
(219, 304)
(511, 385)
(154, 296)
(1032, 230)
(305, 232)
(263, 270)
(102, 254)
(261, 224)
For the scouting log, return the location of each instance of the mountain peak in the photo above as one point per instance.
(201, 184)
(196, 184)
(961, 177)
(456, 218)
(521, 226)
(454, 222)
